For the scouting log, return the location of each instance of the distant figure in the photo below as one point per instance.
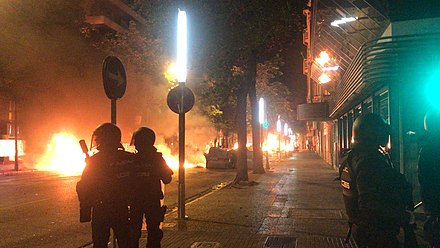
(429, 177)
(150, 170)
(375, 194)
(104, 187)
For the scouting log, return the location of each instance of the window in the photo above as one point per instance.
(383, 100)
(367, 106)
(357, 112)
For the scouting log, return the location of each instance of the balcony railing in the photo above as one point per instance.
(381, 61)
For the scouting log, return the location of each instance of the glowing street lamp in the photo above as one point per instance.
(261, 119)
(181, 46)
(343, 20)
(181, 77)
(279, 125)
(279, 137)
(261, 111)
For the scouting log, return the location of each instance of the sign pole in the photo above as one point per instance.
(182, 108)
(114, 79)
(113, 241)
(113, 111)
(15, 136)
(181, 200)
(180, 100)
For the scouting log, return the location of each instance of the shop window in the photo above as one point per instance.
(383, 100)
(357, 112)
(367, 106)
(349, 129)
(344, 132)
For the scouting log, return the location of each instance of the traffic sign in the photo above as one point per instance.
(114, 77)
(265, 124)
(175, 96)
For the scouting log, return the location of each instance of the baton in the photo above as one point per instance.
(84, 147)
(418, 205)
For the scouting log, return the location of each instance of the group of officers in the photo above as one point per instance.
(118, 189)
(377, 197)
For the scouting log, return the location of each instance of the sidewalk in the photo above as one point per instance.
(296, 204)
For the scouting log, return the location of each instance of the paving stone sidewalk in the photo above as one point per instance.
(297, 204)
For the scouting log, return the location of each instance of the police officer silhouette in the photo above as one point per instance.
(104, 187)
(375, 194)
(429, 177)
(149, 171)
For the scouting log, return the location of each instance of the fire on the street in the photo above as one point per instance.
(273, 143)
(65, 157)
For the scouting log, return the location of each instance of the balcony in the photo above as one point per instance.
(382, 61)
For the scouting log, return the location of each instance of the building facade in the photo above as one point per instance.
(380, 57)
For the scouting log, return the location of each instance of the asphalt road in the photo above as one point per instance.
(40, 209)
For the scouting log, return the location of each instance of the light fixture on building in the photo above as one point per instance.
(330, 68)
(343, 20)
(323, 58)
(324, 78)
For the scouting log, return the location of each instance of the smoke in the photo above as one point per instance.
(56, 78)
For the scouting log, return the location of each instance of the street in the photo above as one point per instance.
(40, 209)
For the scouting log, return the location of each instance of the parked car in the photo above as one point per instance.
(218, 158)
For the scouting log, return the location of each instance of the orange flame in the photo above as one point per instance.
(173, 160)
(63, 155)
(272, 144)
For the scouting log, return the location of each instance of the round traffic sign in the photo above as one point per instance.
(114, 77)
(180, 99)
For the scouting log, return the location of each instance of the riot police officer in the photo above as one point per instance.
(149, 171)
(375, 194)
(104, 187)
(429, 177)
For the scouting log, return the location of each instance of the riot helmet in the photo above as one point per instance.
(371, 129)
(143, 137)
(106, 136)
(432, 122)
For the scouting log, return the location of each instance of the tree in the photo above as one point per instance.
(249, 34)
(42, 25)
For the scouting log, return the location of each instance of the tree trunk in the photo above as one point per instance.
(257, 149)
(242, 170)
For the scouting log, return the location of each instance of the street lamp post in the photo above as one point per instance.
(286, 126)
(181, 77)
(279, 137)
(261, 120)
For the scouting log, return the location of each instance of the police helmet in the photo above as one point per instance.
(371, 128)
(143, 137)
(106, 136)
(432, 122)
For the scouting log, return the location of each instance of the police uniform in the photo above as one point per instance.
(429, 179)
(374, 195)
(149, 170)
(104, 186)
